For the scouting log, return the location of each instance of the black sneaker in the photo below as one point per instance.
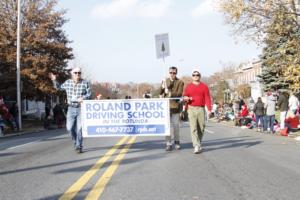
(169, 148)
(79, 150)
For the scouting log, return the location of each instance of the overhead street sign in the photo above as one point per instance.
(162, 45)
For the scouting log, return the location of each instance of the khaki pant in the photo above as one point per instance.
(197, 124)
(174, 129)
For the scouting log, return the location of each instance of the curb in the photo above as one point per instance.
(22, 133)
(276, 134)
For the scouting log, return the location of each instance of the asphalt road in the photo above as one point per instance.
(236, 164)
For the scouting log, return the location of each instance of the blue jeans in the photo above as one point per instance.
(261, 119)
(74, 125)
(269, 122)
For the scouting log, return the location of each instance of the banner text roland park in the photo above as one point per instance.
(144, 117)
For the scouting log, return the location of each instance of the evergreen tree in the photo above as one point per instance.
(279, 56)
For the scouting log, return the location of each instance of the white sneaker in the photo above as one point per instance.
(197, 149)
(177, 147)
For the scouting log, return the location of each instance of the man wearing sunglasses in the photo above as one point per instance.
(172, 87)
(197, 96)
(77, 90)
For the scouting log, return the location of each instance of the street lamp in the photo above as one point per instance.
(137, 90)
(18, 66)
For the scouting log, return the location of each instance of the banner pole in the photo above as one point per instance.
(165, 72)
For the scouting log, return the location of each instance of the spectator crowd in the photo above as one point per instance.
(275, 112)
(9, 114)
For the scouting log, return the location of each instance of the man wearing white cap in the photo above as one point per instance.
(77, 90)
(197, 95)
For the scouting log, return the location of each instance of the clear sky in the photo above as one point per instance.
(115, 39)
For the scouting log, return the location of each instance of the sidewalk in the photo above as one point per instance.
(294, 135)
(28, 126)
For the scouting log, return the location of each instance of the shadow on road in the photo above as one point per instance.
(228, 143)
(135, 148)
(8, 154)
(109, 163)
(45, 166)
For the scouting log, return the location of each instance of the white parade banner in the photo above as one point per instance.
(125, 117)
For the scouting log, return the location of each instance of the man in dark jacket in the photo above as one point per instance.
(283, 105)
(172, 87)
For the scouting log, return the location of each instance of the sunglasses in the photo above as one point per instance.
(172, 73)
(76, 72)
(195, 74)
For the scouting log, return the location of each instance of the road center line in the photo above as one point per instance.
(80, 183)
(98, 188)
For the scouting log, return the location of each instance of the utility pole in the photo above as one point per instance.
(137, 90)
(18, 66)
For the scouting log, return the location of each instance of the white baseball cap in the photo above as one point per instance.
(196, 70)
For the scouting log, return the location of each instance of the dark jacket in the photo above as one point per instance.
(259, 108)
(175, 90)
(283, 102)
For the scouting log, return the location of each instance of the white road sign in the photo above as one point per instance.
(162, 45)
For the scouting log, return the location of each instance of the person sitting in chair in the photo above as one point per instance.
(292, 122)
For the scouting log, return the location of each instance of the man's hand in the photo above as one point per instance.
(163, 84)
(166, 91)
(80, 100)
(187, 99)
(208, 114)
(52, 76)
